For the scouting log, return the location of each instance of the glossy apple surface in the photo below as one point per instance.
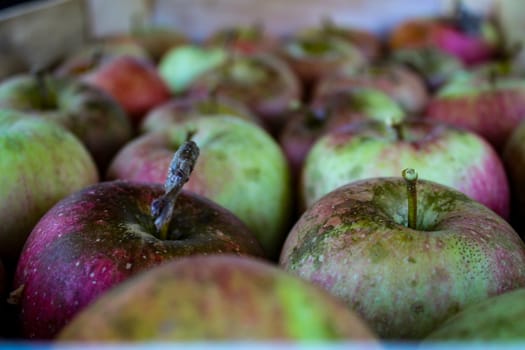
(89, 113)
(404, 281)
(40, 163)
(240, 167)
(217, 298)
(441, 153)
(97, 237)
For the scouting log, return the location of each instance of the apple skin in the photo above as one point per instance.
(496, 319)
(97, 237)
(490, 108)
(183, 108)
(41, 163)
(216, 298)
(399, 82)
(404, 282)
(242, 39)
(135, 83)
(89, 113)
(240, 167)
(442, 153)
(263, 82)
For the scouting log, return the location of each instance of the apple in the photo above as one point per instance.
(241, 168)
(216, 298)
(40, 163)
(333, 112)
(263, 82)
(490, 105)
(401, 83)
(454, 157)
(88, 112)
(434, 66)
(244, 39)
(404, 254)
(367, 42)
(312, 56)
(470, 37)
(133, 82)
(154, 38)
(513, 156)
(103, 234)
(497, 319)
(180, 66)
(182, 108)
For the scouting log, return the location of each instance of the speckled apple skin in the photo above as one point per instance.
(404, 282)
(240, 167)
(453, 157)
(492, 110)
(40, 163)
(98, 237)
(217, 298)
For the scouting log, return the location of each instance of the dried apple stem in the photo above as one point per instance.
(179, 173)
(410, 176)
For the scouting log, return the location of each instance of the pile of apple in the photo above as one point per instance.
(329, 185)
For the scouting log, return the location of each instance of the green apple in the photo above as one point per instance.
(216, 298)
(181, 65)
(40, 163)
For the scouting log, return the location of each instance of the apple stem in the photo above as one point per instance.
(179, 173)
(396, 127)
(410, 176)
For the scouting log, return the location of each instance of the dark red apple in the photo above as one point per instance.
(101, 235)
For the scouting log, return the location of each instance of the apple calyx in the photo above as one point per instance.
(179, 173)
(410, 176)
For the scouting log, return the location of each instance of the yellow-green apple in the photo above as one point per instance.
(99, 236)
(490, 105)
(497, 319)
(513, 156)
(243, 39)
(263, 82)
(471, 37)
(241, 168)
(182, 108)
(41, 162)
(434, 66)
(180, 66)
(133, 82)
(454, 157)
(90, 113)
(405, 254)
(217, 298)
(332, 112)
(399, 82)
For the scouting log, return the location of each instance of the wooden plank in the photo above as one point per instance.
(36, 35)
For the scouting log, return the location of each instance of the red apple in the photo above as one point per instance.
(135, 83)
(217, 298)
(490, 105)
(99, 236)
(40, 163)
(88, 112)
(263, 82)
(470, 37)
(183, 108)
(404, 254)
(442, 153)
(241, 168)
(402, 84)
